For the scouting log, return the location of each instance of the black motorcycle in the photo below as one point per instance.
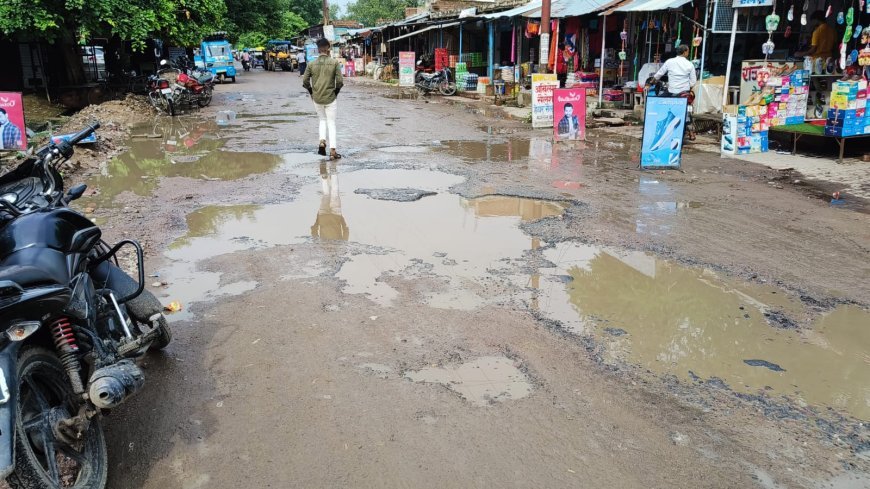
(72, 324)
(438, 81)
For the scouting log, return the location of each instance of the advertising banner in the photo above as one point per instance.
(569, 114)
(311, 53)
(13, 135)
(663, 127)
(543, 85)
(406, 68)
(752, 3)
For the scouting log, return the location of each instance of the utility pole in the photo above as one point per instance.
(325, 13)
(544, 51)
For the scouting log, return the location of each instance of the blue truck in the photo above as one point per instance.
(216, 55)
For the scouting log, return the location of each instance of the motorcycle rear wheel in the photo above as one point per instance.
(205, 98)
(42, 461)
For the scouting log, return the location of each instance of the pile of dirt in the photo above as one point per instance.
(116, 118)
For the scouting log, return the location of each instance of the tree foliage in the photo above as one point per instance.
(310, 10)
(368, 12)
(176, 21)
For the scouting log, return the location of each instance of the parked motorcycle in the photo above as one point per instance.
(186, 85)
(437, 81)
(72, 325)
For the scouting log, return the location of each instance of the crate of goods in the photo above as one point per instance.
(747, 131)
(507, 73)
(482, 83)
(788, 98)
(471, 82)
(453, 59)
(848, 113)
(442, 59)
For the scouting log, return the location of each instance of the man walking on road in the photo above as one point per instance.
(323, 81)
(301, 61)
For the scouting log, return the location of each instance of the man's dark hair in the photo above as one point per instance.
(818, 15)
(682, 49)
(2, 110)
(569, 104)
(322, 44)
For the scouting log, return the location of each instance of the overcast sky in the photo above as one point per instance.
(343, 4)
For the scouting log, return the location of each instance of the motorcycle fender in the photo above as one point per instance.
(8, 409)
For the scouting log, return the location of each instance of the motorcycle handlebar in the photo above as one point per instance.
(84, 133)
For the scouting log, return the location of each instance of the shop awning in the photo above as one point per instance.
(649, 5)
(514, 12)
(431, 27)
(574, 8)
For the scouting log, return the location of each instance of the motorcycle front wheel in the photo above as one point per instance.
(42, 461)
(447, 88)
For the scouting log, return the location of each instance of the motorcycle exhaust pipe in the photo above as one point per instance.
(112, 385)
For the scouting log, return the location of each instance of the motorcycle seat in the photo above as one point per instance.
(51, 265)
(26, 276)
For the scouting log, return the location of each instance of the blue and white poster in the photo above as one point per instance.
(663, 127)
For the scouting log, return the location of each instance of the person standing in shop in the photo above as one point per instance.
(323, 81)
(680, 71)
(823, 40)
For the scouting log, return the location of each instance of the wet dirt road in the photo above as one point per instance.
(458, 303)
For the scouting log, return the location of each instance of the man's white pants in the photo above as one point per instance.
(326, 113)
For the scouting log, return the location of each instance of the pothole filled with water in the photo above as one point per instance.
(481, 382)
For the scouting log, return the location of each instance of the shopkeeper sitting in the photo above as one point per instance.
(822, 43)
(680, 71)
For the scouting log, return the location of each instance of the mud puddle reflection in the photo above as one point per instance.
(697, 325)
(174, 147)
(489, 151)
(458, 243)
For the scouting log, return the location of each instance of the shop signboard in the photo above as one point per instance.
(754, 74)
(752, 3)
(543, 85)
(13, 135)
(406, 68)
(663, 125)
(569, 114)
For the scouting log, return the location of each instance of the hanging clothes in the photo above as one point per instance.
(572, 42)
(533, 29)
(554, 44)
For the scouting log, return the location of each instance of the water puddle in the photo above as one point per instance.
(657, 211)
(695, 324)
(177, 148)
(404, 149)
(481, 382)
(474, 151)
(468, 253)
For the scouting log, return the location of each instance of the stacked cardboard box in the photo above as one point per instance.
(461, 75)
(746, 131)
(847, 115)
(790, 96)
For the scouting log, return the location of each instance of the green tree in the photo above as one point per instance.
(310, 10)
(252, 40)
(291, 25)
(334, 11)
(176, 21)
(368, 12)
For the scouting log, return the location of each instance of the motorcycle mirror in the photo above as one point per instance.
(76, 192)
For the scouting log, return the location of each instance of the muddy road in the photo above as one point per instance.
(459, 303)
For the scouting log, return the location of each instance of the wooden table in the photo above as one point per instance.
(805, 129)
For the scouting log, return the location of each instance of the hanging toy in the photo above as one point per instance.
(787, 32)
(847, 35)
(772, 22)
(622, 55)
(697, 41)
(853, 57)
(841, 18)
(828, 11)
(790, 14)
(865, 36)
(850, 16)
(858, 30)
(767, 48)
(864, 57)
(803, 19)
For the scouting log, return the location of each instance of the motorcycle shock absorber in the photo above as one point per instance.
(67, 349)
